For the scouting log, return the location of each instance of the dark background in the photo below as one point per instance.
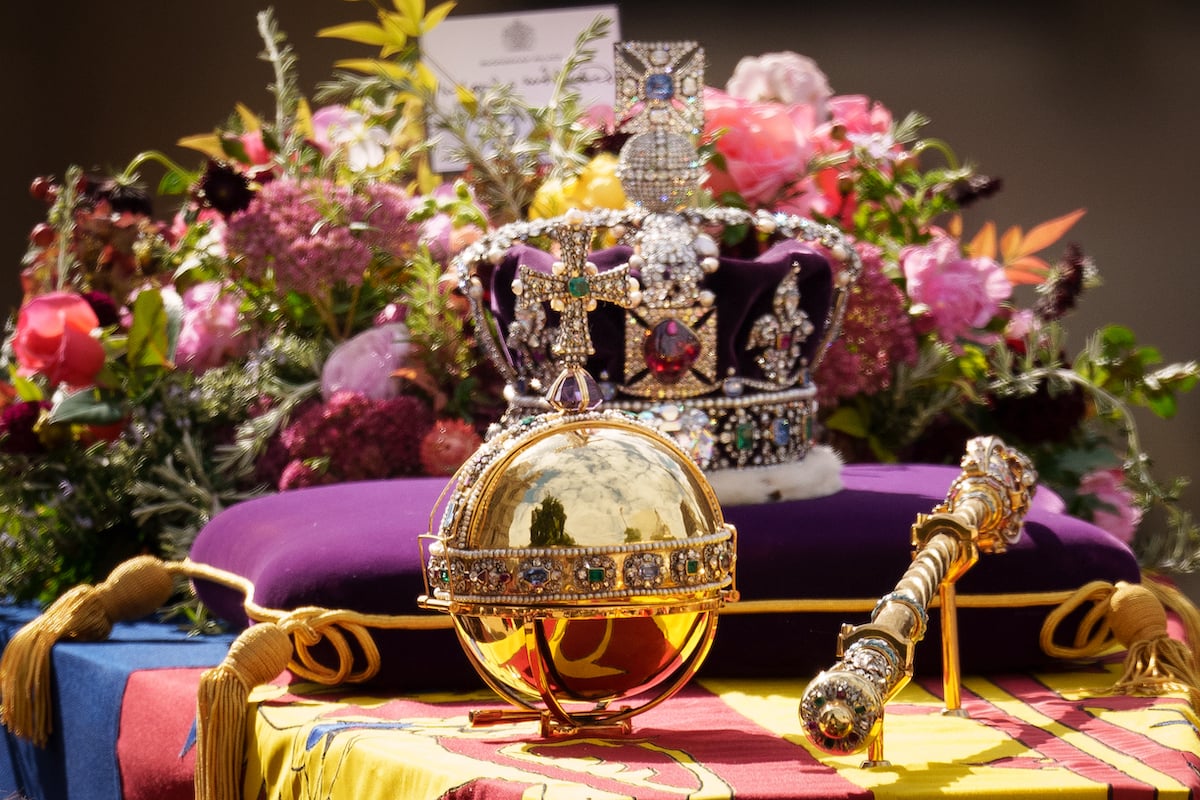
(1093, 104)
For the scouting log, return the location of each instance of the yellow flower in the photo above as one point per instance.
(550, 200)
(596, 186)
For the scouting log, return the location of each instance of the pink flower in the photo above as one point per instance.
(365, 363)
(961, 295)
(209, 335)
(448, 444)
(256, 149)
(388, 228)
(339, 128)
(787, 77)
(600, 116)
(764, 146)
(323, 119)
(284, 233)
(859, 117)
(311, 234)
(54, 338)
(1021, 325)
(1117, 513)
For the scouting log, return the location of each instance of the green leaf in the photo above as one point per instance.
(173, 307)
(1077, 462)
(849, 421)
(88, 407)
(233, 148)
(174, 182)
(1163, 405)
(27, 390)
(1117, 337)
(149, 342)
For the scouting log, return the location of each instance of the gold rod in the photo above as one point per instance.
(842, 708)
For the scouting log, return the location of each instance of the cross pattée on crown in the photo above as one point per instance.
(573, 288)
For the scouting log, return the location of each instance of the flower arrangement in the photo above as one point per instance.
(938, 343)
(291, 324)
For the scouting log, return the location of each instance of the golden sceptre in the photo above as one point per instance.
(842, 708)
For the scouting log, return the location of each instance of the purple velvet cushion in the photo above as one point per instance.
(355, 546)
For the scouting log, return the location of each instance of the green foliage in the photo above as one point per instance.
(547, 526)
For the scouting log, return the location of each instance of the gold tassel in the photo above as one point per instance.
(1155, 663)
(259, 654)
(85, 613)
(1135, 617)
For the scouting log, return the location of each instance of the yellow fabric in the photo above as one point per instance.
(1023, 740)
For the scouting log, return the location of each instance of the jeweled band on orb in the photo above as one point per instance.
(512, 576)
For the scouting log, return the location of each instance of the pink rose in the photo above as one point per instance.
(54, 338)
(959, 294)
(365, 363)
(1117, 514)
(788, 78)
(209, 335)
(764, 147)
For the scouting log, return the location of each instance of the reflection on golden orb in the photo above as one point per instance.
(583, 558)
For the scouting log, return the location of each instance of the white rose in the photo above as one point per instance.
(788, 78)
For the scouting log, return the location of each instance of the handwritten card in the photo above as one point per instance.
(525, 50)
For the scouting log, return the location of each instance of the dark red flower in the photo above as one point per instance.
(18, 428)
(224, 188)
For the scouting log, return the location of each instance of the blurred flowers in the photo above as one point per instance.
(287, 326)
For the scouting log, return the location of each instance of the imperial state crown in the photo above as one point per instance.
(713, 348)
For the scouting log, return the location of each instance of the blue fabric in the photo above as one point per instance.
(88, 686)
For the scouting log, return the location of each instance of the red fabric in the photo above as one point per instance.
(155, 748)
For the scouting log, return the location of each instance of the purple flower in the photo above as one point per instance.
(365, 363)
(961, 295)
(18, 428)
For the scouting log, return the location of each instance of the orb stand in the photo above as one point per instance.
(556, 720)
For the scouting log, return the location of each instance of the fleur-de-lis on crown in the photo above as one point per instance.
(781, 333)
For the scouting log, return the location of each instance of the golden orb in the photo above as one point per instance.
(583, 558)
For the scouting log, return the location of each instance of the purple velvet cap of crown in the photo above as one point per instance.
(744, 290)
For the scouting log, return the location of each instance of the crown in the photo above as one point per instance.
(714, 349)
